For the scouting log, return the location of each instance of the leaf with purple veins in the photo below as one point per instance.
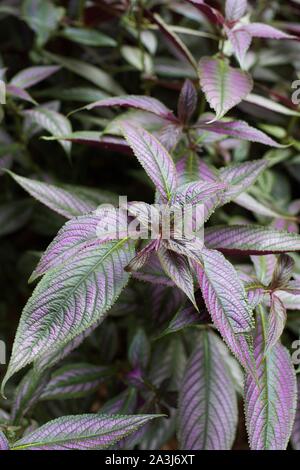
(74, 381)
(187, 101)
(225, 291)
(82, 432)
(283, 272)
(17, 92)
(239, 177)
(154, 158)
(261, 30)
(250, 240)
(79, 234)
(235, 9)
(296, 430)
(144, 103)
(33, 75)
(208, 412)
(178, 269)
(214, 293)
(270, 402)
(68, 301)
(223, 86)
(240, 130)
(64, 202)
(276, 322)
(3, 442)
(53, 122)
(241, 41)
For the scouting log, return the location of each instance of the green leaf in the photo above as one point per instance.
(53, 122)
(43, 17)
(91, 73)
(88, 37)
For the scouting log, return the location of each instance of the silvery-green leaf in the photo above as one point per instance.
(74, 381)
(68, 301)
(53, 122)
(88, 71)
(69, 203)
(33, 75)
(82, 432)
(154, 158)
(251, 240)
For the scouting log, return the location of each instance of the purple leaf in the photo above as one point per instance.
(169, 135)
(152, 272)
(208, 412)
(196, 192)
(213, 15)
(235, 9)
(33, 75)
(82, 432)
(178, 269)
(251, 240)
(230, 312)
(240, 41)
(250, 203)
(125, 402)
(296, 430)
(225, 293)
(144, 103)
(188, 316)
(270, 400)
(53, 357)
(264, 266)
(74, 381)
(191, 248)
(239, 177)
(255, 295)
(276, 322)
(3, 442)
(154, 158)
(141, 257)
(28, 394)
(261, 30)
(53, 122)
(223, 86)
(68, 301)
(240, 130)
(95, 139)
(173, 39)
(19, 93)
(283, 272)
(66, 203)
(187, 101)
(191, 168)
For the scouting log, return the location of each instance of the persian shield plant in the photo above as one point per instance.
(150, 318)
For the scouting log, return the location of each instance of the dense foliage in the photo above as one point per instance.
(126, 342)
